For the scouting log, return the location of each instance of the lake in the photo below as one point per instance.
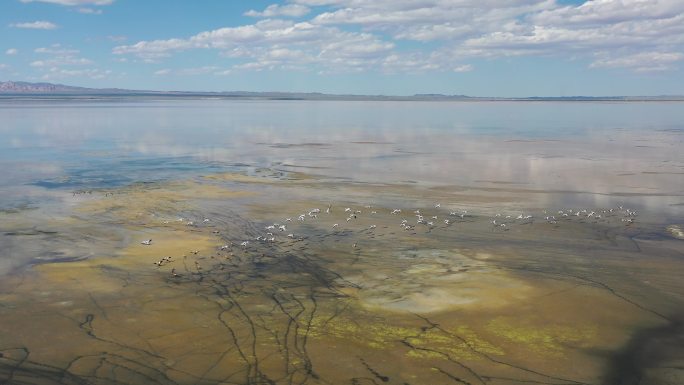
(183, 241)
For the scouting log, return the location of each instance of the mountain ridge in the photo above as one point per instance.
(27, 89)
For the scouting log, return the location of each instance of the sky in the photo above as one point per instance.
(390, 47)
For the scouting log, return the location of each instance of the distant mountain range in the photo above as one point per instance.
(17, 89)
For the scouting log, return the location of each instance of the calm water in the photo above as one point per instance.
(550, 249)
(592, 148)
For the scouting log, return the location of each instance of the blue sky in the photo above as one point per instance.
(398, 47)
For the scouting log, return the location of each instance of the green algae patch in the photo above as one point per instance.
(460, 343)
(420, 342)
(543, 338)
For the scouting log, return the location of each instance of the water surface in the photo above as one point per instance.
(431, 242)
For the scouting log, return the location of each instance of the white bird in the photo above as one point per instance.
(282, 228)
(335, 225)
(396, 211)
(347, 210)
(438, 205)
(147, 242)
(372, 226)
(244, 244)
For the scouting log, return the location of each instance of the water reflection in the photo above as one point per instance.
(594, 148)
(534, 263)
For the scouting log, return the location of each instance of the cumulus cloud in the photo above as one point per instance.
(193, 71)
(56, 73)
(71, 2)
(35, 25)
(56, 49)
(274, 43)
(58, 56)
(12, 51)
(117, 38)
(274, 10)
(61, 61)
(641, 62)
(611, 11)
(463, 68)
(89, 11)
(353, 35)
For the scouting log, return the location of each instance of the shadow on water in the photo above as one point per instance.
(648, 352)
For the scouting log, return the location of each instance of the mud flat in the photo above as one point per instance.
(287, 278)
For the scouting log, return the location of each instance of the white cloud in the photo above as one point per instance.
(89, 11)
(35, 25)
(56, 49)
(641, 62)
(12, 51)
(198, 70)
(463, 68)
(55, 73)
(215, 70)
(274, 10)
(611, 12)
(117, 38)
(4, 66)
(272, 43)
(59, 56)
(355, 35)
(61, 61)
(71, 2)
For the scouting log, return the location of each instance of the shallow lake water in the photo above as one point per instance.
(326, 242)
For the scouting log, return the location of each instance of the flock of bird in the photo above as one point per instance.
(417, 218)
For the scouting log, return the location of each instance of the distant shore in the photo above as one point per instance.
(26, 90)
(314, 97)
